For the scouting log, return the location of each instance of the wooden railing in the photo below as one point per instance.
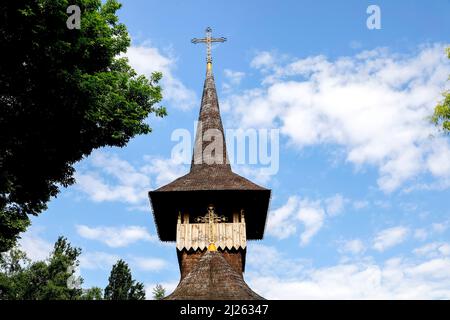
(197, 235)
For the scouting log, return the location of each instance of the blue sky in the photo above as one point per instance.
(359, 203)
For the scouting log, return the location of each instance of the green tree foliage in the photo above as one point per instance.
(63, 93)
(121, 285)
(159, 292)
(12, 276)
(41, 280)
(94, 293)
(55, 278)
(441, 116)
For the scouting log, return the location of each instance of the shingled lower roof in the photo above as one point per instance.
(213, 279)
(211, 177)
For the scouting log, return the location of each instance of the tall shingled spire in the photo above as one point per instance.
(209, 127)
(210, 179)
(211, 248)
(210, 131)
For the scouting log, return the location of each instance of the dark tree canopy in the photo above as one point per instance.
(63, 93)
(122, 286)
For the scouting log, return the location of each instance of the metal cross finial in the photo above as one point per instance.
(211, 218)
(208, 40)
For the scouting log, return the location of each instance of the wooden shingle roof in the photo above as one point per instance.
(213, 279)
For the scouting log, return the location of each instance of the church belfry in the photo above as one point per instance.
(210, 212)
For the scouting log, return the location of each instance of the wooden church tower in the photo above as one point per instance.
(210, 212)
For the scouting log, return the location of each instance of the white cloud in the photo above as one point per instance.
(36, 247)
(383, 204)
(354, 246)
(129, 186)
(254, 173)
(434, 249)
(304, 215)
(115, 237)
(269, 260)
(399, 280)
(355, 44)
(312, 216)
(146, 60)
(420, 234)
(164, 170)
(438, 161)
(374, 104)
(436, 228)
(335, 204)
(390, 237)
(149, 264)
(445, 249)
(440, 227)
(361, 204)
(396, 278)
(98, 260)
(263, 60)
(106, 177)
(280, 222)
(438, 268)
(104, 261)
(233, 79)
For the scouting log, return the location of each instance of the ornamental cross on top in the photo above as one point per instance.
(211, 216)
(208, 40)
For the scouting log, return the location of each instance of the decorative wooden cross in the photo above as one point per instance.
(211, 217)
(208, 40)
